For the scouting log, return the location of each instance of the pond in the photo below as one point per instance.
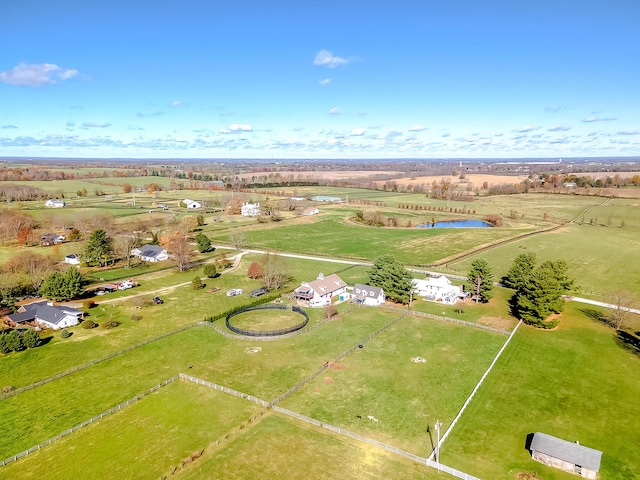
(325, 198)
(457, 224)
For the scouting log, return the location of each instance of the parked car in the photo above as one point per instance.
(157, 300)
(234, 291)
(258, 291)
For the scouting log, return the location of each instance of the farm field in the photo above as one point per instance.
(575, 382)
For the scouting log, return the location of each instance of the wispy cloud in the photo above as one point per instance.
(326, 81)
(36, 74)
(325, 58)
(177, 103)
(152, 114)
(335, 111)
(236, 128)
(358, 132)
(70, 124)
(629, 132)
(526, 128)
(8, 126)
(593, 118)
(555, 109)
(417, 128)
(96, 125)
(559, 128)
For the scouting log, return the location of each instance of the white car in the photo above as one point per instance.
(234, 291)
(125, 285)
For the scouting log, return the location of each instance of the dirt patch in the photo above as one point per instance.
(527, 476)
(328, 380)
(337, 366)
(253, 349)
(476, 179)
(497, 322)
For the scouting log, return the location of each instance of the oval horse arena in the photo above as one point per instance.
(267, 333)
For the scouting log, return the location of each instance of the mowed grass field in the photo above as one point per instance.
(144, 440)
(407, 377)
(576, 383)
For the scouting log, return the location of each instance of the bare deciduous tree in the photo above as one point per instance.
(274, 271)
(179, 250)
(623, 302)
(237, 240)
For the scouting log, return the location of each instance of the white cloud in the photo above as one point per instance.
(629, 132)
(593, 118)
(325, 58)
(238, 128)
(526, 128)
(417, 128)
(177, 103)
(157, 113)
(326, 81)
(36, 74)
(96, 125)
(358, 132)
(559, 128)
(8, 126)
(335, 111)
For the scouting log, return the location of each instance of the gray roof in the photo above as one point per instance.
(367, 290)
(151, 250)
(568, 451)
(44, 312)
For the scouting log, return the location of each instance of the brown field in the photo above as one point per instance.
(327, 174)
(477, 179)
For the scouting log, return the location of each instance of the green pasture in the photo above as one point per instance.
(201, 351)
(183, 306)
(602, 260)
(333, 235)
(280, 447)
(145, 439)
(383, 380)
(576, 383)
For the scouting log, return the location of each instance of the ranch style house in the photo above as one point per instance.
(567, 456)
(150, 253)
(45, 313)
(321, 291)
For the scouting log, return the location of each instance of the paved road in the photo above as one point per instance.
(600, 304)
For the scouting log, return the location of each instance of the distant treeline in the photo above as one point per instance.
(13, 192)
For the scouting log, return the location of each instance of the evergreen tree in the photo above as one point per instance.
(541, 295)
(210, 270)
(31, 339)
(62, 286)
(14, 341)
(520, 271)
(390, 275)
(4, 347)
(99, 249)
(204, 244)
(196, 283)
(480, 281)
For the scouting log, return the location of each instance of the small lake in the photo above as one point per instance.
(457, 224)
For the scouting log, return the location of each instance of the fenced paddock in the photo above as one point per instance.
(267, 333)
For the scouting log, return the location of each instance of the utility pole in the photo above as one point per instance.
(438, 425)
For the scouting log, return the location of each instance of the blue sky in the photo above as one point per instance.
(320, 79)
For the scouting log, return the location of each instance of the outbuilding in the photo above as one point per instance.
(368, 295)
(570, 457)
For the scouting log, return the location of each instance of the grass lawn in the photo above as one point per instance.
(575, 383)
(279, 447)
(383, 380)
(144, 440)
(599, 258)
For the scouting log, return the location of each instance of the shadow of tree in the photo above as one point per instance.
(629, 341)
(596, 315)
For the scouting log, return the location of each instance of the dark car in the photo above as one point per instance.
(258, 291)
(158, 300)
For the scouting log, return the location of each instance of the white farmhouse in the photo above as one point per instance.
(250, 209)
(438, 289)
(191, 204)
(46, 314)
(320, 291)
(72, 259)
(54, 203)
(368, 295)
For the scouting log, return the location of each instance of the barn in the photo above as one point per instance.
(570, 457)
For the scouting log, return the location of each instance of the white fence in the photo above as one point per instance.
(376, 443)
(453, 320)
(118, 407)
(230, 391)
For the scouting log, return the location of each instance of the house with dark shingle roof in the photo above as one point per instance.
(46, 314)
(150, 253)
(570, 457)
